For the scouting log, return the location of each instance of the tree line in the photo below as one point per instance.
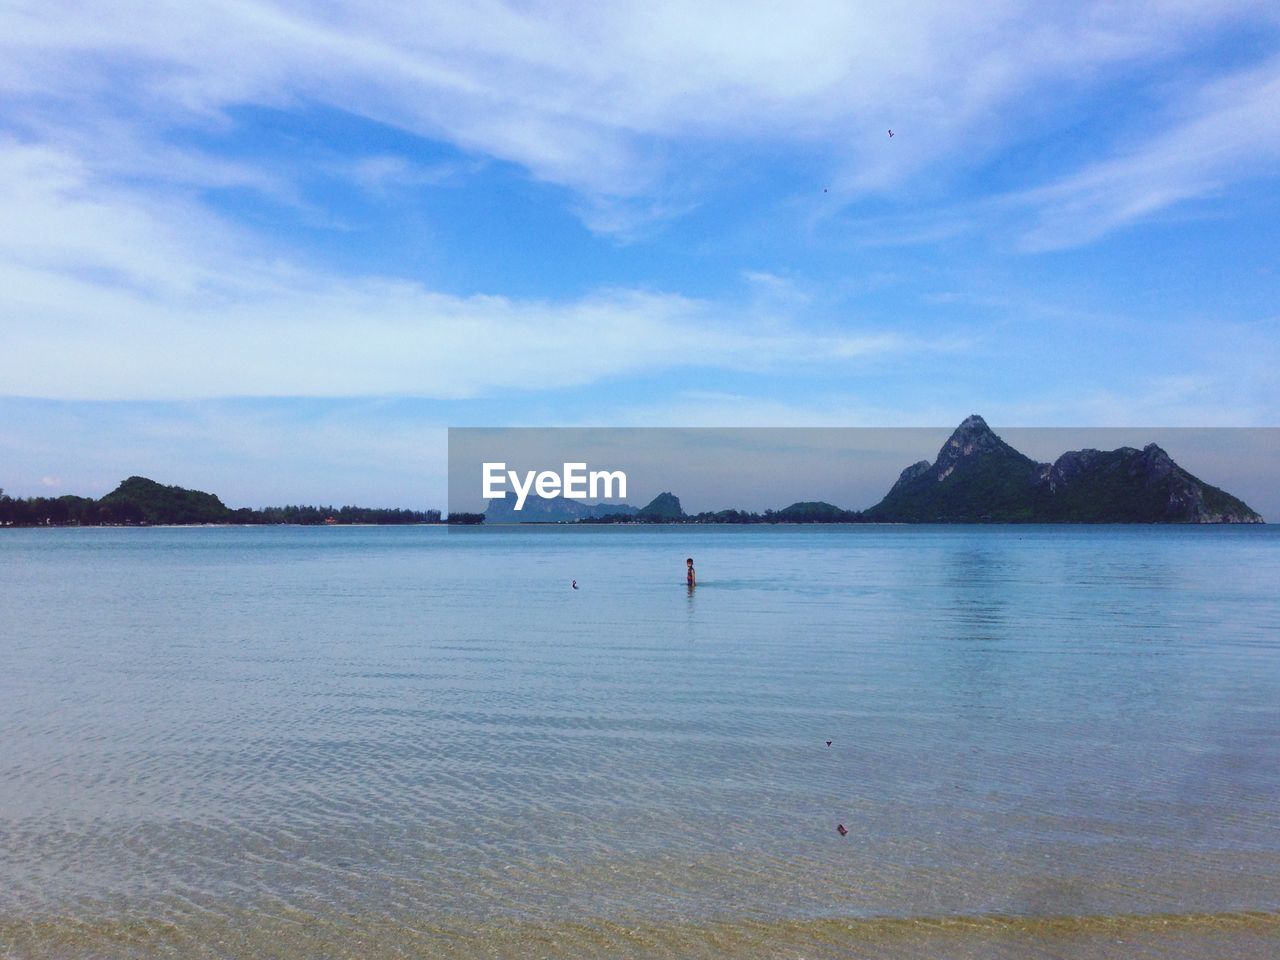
(173, 505)
(806, 512)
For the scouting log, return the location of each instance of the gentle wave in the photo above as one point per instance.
(374, 743)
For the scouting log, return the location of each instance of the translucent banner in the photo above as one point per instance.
(971, 473)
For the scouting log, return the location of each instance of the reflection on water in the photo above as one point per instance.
(379, 742)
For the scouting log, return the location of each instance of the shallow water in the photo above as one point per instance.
(386, 742)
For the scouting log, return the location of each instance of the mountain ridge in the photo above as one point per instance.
(978, 477)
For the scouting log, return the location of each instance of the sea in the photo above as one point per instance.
(846, 742)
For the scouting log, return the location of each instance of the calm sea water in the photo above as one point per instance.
(379, 742)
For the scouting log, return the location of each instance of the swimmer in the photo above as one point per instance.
(575, 584)
(692, 577)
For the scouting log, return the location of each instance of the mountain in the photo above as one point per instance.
(1130, 485)
(139, 500)
(815, 511)
(142, 501)
(665, 506)
(551, 510)
(978, 477)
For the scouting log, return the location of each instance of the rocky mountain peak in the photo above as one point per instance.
(1157, 462)
(665, 505)
(971, 437)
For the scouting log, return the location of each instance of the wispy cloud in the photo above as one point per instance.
(111, 295)
(385, 172)
(1228, 132)
(607, 99)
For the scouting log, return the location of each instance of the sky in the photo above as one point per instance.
(275, 249)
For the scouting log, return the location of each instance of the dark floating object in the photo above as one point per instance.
(828, 743)
(890, 133)
(842, 829)
(575, 584)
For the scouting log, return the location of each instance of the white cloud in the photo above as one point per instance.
(386, 171)
(1229, 131)
(604, 98)
(108, 294)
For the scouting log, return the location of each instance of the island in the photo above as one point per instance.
(975, 478)
(139, 501)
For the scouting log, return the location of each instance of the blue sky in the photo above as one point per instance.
(275, 249)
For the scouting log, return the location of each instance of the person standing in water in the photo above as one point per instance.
(693, 577)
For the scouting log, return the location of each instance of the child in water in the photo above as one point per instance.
(693, 577)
